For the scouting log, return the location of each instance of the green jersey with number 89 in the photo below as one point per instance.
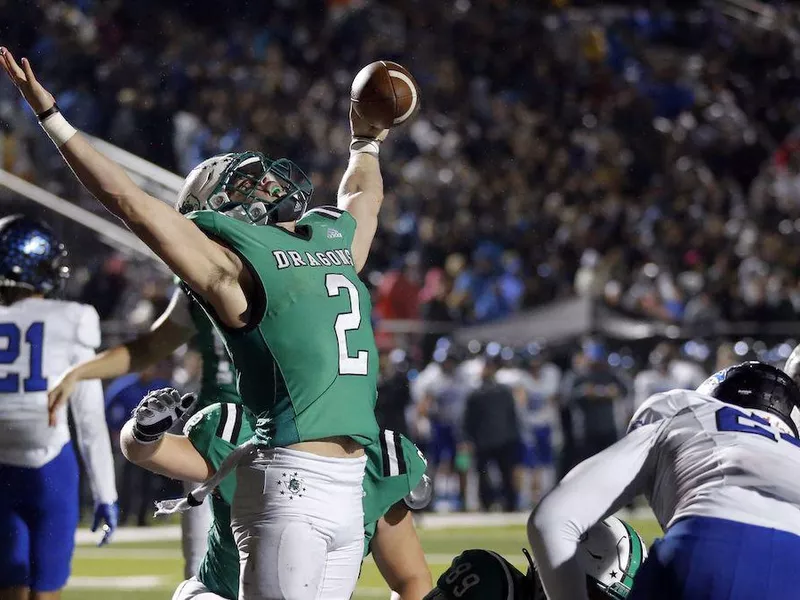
(308, 364)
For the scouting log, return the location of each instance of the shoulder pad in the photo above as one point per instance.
(665, 406)
(88, 326)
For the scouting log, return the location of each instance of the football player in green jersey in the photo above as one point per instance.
(394, 482)
(610, 556)
(181, 321)
(285, 294)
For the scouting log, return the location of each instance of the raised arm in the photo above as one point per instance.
(169, 332)
(361, 188)
(209, 268)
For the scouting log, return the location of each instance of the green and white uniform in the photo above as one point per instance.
(395, 466)
(217, 384)
(307, 368)
(308, 365)
(214, 432)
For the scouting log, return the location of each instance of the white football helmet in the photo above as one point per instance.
(247, 186)
(610, 554)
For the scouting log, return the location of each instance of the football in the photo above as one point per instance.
(385, 94)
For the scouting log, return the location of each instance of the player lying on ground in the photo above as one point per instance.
(41, 336)
(394, 481)
(609, 556)
(719, 468)
(182, 320)
(295, 318)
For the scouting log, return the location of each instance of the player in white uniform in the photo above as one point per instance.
(440, 395)
(174, 328)
(40, 337)
(536, 387)
(719, 467)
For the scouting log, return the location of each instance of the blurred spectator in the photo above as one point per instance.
(658, 378)
(394, 396)
(105, 287)
(491, 432)
(594, 397)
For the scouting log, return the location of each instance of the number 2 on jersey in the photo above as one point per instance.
(349, 321)
(35, 382)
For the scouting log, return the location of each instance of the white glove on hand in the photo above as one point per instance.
(158, 412)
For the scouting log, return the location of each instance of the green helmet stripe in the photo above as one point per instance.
(634, 557)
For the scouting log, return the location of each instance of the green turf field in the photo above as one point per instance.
(151, 570)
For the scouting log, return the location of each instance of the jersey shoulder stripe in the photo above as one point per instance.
(329, 212)
(230, 422)
(394, 462)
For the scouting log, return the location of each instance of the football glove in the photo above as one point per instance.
(108, 514)
(158, 412)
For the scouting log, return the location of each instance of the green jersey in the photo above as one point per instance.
(215, 432)
(481, 575)
(395, 466)
(218, 378)
(308, 364)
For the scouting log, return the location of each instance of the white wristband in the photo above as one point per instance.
(365, 146)
(58, 129)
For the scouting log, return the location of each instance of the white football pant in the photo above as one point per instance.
(192, 589)
(299, 525)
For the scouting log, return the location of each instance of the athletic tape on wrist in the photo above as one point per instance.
(144, 438)
(365, 146)
(58, 129)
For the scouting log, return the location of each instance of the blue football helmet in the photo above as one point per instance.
(31, 256)
(757, 386)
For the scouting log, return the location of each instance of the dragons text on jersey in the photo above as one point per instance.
(291, 258)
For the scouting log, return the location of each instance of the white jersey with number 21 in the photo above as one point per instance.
(39, 339)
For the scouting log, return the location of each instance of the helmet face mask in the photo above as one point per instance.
(248, 187)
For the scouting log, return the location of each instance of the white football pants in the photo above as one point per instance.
(299, 525)
(195, 524)
(192, 589)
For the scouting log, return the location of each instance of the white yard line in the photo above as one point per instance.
(137, 582)
(424, 521)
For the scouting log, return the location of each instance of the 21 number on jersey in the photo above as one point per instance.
(34, 336)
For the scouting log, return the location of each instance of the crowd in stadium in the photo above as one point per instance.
(528, 166)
